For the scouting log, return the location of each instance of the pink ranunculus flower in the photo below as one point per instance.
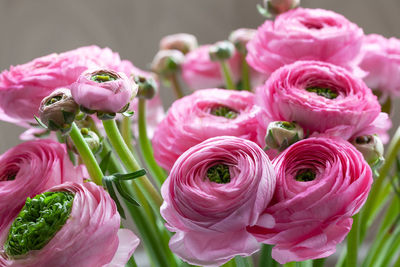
(90, 236)
(213, 192)
(201, 115)
(381, 60)
(320, 97)
(305, 34)
(321, 183)
(103, 90)
(23, 87)
(29, 169)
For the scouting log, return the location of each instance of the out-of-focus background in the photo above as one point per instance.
(29, 29)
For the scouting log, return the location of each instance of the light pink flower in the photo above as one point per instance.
(107, 96)
(90, 237)
(30, 169)
(210, 218)
(381, 60)
(191, 120)
(23, 87)
(308, 217)
(305, 34)
(352, 108)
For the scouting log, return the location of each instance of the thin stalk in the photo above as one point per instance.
(230, 263)
(227, 73)
(146, 148)
(243, 262)
(394, 147)
(245, 74)
(86, 155)
(318, 262)
(352, 243)
(152, 195)
(126, 131)
(265, 259)
(290, 264)
(173, 79)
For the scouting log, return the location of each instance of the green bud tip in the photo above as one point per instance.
(325, 92)
(224, 111)
(39, 220)
(102, 77)
(305, 175)
(286, 125)
(219, 174)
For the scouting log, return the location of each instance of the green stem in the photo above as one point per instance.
(131, 262)
(152, 195)
(265, 259)
(173, 79)
(394, 147)
(352, 243)
(319, 262)
(230, 263)
(227, 73)
(126, 132)
(245, 74)
(290, 264)
(243, 262)
(146, 148)
(86, 154)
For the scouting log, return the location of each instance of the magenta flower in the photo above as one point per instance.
(23, 87)
(103, 90)
(213, 192)
(204, 114)
(90, 236)
(29, 169)
(381, 60)
(321, 183)
(305, 34)
(320, 97)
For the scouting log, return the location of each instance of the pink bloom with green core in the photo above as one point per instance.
(204, 114)
(381, 60)
(305, 34)
(214, 191)
(32, 168)
(322, 98)
(320, 184)
(103, 90)
(89, 237)
(23, 87)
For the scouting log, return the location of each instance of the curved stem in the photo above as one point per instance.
(394, 147)
(227, 73)
(126, 131)
(245, 74)
(86, 154)
(152, 195)
(352, 243)
(173, 79)
(265, 259)
(146, 148)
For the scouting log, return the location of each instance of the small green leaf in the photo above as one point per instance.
(124, 194)
(130, 176)
(107, 181)
(263, 11)
(40, 123)
(128, 113)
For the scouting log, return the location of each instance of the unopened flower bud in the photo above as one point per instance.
(147, 87)
(371, 147)
(222, 50)
(276, 7)
(91, 139)
(167, 62)
(240, 38)
(281, 134)
(183, 42)
(58, 110)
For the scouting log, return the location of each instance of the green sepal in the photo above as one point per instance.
(130, 176)
(104, 163)
(105, 115)
(69, 117)
(264, 12)
(42, 134)
(86, 110)
(128, 113)
(124, 194)
(40, 123)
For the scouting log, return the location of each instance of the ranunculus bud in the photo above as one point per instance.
(281, 134)
(167, 62)
(58, 110)
(241, 37)
(147, 87)
(91, 139)
(221, 50)
(104, 91)
(276, 7)
(371, 147)
(183, 42)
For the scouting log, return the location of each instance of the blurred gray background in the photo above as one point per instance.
(33, 28)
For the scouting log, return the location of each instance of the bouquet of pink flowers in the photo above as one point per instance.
(279, 150)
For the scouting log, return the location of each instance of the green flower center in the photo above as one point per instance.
(219, 174)
(103, 77)
(325, 92)
(53, 100)
(224, 111)
(286, 125)
(305, 175)
(39, 220)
